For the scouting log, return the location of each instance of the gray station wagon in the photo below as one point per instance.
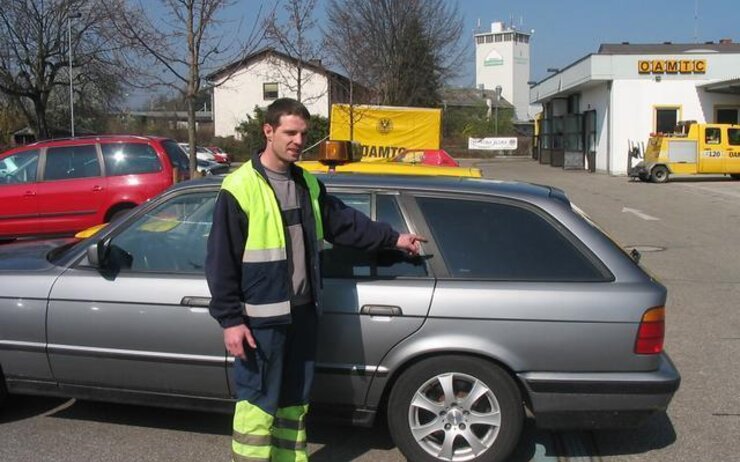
(517, 302)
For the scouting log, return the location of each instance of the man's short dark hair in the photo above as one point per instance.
(285, 106)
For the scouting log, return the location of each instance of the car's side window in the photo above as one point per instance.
(170, 238)
(130, 159)
(503, 241)
(70, 162)
(19, 168)
(345, 262)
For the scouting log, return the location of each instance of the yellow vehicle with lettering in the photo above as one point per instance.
(693, 148)
(338, 156)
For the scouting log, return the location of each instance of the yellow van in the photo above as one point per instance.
(692, 149)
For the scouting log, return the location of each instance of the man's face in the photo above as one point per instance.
(288, 138)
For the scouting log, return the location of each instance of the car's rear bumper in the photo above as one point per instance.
(598, 399)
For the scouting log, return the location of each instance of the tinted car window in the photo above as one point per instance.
(177, 156)
(129, 159)
(70, 162)
(503, 242)
(346, 262)
(19, 168)
(170, 238)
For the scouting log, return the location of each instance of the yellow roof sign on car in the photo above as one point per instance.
(336, 157)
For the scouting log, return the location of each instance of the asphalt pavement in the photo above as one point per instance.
(687, 232)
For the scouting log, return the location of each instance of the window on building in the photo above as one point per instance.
(666, 119)
(270, 90)
(508, 37)
(574, 103)
(479, 39)
(499, 38)
(489, 38)
(727, 116)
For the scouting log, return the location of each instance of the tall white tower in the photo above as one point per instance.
(502, 59)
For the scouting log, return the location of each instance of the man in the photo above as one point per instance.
(269, 223)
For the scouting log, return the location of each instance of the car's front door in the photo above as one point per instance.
(143, 324)
(19, 208)
(371, 302)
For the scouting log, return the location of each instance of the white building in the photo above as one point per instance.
(502, 59)
(600, 105)
(264, 76)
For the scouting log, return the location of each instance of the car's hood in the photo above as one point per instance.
(29, 255)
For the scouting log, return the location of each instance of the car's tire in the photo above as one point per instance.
(431, 417)
(659, 174)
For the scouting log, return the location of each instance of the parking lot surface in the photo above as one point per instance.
(685, 231)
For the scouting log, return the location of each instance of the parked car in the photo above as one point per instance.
(207, 167)
(201, 152)
(63, 186)
(516, 302)
(426, 157)
(220, 155)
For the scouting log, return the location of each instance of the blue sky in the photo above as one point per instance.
(567, 30)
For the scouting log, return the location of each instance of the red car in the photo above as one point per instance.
(59, 187)
(220, 155)
(438, 157)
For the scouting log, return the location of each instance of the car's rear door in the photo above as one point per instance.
(371, 302)
(72, 189)
(146, 326)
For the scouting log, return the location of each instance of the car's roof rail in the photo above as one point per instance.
(90, 137)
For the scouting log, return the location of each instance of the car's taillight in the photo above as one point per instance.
(651, 333)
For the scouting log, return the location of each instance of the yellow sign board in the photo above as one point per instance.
(672, 66)
(386, 131)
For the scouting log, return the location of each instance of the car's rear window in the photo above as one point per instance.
(177, 156)
(130, 159)
(503, 241)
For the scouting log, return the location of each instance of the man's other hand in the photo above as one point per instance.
(235, 337)
(410, 243)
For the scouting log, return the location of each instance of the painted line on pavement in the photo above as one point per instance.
(640, 214)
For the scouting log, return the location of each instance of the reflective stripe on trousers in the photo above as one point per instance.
(260, 437)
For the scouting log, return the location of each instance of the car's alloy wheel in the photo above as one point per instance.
(455, 408)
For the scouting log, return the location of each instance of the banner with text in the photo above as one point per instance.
(492, 144)
(386, 131)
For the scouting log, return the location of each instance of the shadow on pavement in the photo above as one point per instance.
(18, 407)
(147, 417)
(656, 433)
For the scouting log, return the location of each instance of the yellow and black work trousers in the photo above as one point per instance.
(272, 388)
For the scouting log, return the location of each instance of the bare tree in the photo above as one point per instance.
(406, 50)
(292, 36)
(34, 56)
(186, 45)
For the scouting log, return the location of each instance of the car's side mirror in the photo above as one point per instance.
(97, 253)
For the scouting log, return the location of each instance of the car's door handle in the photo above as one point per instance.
(202, 302)
(29, 194)
(381, 310)
(97, 188)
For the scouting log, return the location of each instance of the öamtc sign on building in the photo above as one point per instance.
(672, 66)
